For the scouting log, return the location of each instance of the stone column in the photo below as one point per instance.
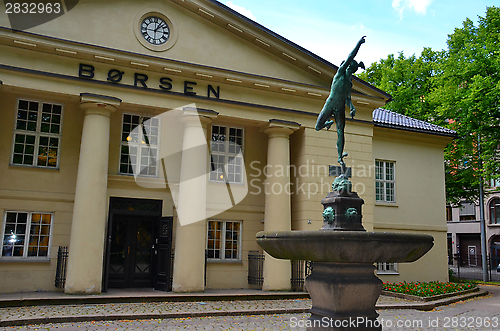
(86, 249)
(278, 215)
(190, 232)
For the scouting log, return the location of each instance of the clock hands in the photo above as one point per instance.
(155, 30)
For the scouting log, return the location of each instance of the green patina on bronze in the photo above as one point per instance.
(351, 214)
(342, 184)
(340, 96)
(329, 215)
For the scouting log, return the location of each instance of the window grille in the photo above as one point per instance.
(139, 145)
(37, 134)
(223, 240)
(385, 181)
(26, 235)
(226, 164)
(387, 268)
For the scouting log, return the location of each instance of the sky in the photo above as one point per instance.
(331, 28)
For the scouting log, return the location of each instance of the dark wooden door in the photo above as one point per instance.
(131, 262)
(163, 249)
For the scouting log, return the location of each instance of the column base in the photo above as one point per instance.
(343, 296)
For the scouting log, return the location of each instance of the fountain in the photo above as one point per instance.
(343, 286)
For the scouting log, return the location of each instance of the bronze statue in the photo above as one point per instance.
(340, 96)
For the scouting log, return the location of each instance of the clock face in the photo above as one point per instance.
(155, 30)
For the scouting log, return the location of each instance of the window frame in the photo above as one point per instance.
(464, 217)
(227, 154)
(494, 207)
(222, 258)
(385, 181)
(139, 146)
(386, 268)
(27, 235)
(495, 183)
(449, 214)
(37, 133)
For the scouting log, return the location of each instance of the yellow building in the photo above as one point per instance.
(106, 112)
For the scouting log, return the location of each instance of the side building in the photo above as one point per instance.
(160, 156)
(464, 229)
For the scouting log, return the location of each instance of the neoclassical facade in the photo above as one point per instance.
(154, 139)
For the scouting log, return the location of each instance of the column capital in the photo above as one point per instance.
(103, 103)
(283, 128)
(192, 115)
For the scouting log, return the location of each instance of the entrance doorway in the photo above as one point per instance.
(131, 260)
(139, 245)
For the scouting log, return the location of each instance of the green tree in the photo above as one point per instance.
(408, 79)
(467, 92)
(458, 88)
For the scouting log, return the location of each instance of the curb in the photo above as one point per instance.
(427, 299)
(430, 305)
(72, 300)
(114, 317)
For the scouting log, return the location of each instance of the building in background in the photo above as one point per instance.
(464, 229)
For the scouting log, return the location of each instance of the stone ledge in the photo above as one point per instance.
(427, 299)
(426, 306)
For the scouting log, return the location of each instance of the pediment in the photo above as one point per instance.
(204, 33)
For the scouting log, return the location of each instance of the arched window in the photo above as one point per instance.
(495, 211)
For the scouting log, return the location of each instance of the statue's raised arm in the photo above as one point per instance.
(354, 52)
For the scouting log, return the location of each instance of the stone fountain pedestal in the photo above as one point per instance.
(336, 289)
(343, 286)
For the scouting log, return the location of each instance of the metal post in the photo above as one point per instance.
(484, 248)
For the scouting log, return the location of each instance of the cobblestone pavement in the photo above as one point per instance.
(467, 315)
(131, 309)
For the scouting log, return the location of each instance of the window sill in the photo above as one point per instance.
(26, 166)
(23, 260)
(225, 183)
(387, 273)
(386, 204)
(494, 225)
(224, 261)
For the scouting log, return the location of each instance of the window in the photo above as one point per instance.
(139, 145)
(495, 211)
(467, 211)
(495, 182)
(387, 268)
(37, 134)
(449, 214)
(226, 164)
(223, 240)
(26, 234)
(385, 181)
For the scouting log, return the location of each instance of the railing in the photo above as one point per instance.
(172, 255)
(255, 268)
(62, 259)
(468, 268)
(300, 270)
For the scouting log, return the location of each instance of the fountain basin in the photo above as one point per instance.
(345, 246)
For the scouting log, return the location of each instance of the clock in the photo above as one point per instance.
(155, 30)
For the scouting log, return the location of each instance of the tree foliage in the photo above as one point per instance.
(458, 88)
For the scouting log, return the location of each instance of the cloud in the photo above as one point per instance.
(419, 6)
(241, 10)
